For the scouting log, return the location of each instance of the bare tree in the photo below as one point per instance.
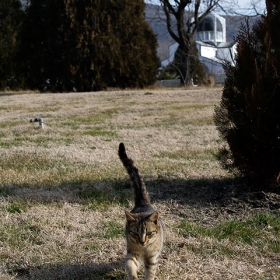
(253, 8)
(183, 18)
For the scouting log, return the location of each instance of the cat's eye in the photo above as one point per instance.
(149, 233)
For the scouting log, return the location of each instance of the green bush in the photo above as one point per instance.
(248, 116)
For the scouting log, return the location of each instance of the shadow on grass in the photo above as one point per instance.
(94, 271)
(201, 192)
(203, 201)
(206, 192)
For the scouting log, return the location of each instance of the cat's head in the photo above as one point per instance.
(142, 228)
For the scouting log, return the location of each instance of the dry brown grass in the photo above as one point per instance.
(63, 191)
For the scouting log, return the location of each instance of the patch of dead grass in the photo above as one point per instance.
(63, 190)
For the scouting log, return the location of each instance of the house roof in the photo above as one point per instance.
(219, 46)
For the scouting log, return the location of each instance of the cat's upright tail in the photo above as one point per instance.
(141, 197)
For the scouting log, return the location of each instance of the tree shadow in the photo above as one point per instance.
(207, 192)
(201, 200)
(66, 271)
(198, 192)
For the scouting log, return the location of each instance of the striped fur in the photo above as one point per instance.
(144, 229)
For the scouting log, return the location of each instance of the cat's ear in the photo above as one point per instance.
(154, 217)
(130, 217)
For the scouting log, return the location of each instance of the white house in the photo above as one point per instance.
(213, 50)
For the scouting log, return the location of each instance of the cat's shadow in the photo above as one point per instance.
(67, 271)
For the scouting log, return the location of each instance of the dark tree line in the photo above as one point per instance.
(11, 18)
(66, 45)
(248, 117)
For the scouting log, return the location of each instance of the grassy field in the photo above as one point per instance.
(63, 190)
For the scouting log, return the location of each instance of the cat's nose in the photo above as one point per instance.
(142, 241)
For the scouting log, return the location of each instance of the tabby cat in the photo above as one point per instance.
(144, 229)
